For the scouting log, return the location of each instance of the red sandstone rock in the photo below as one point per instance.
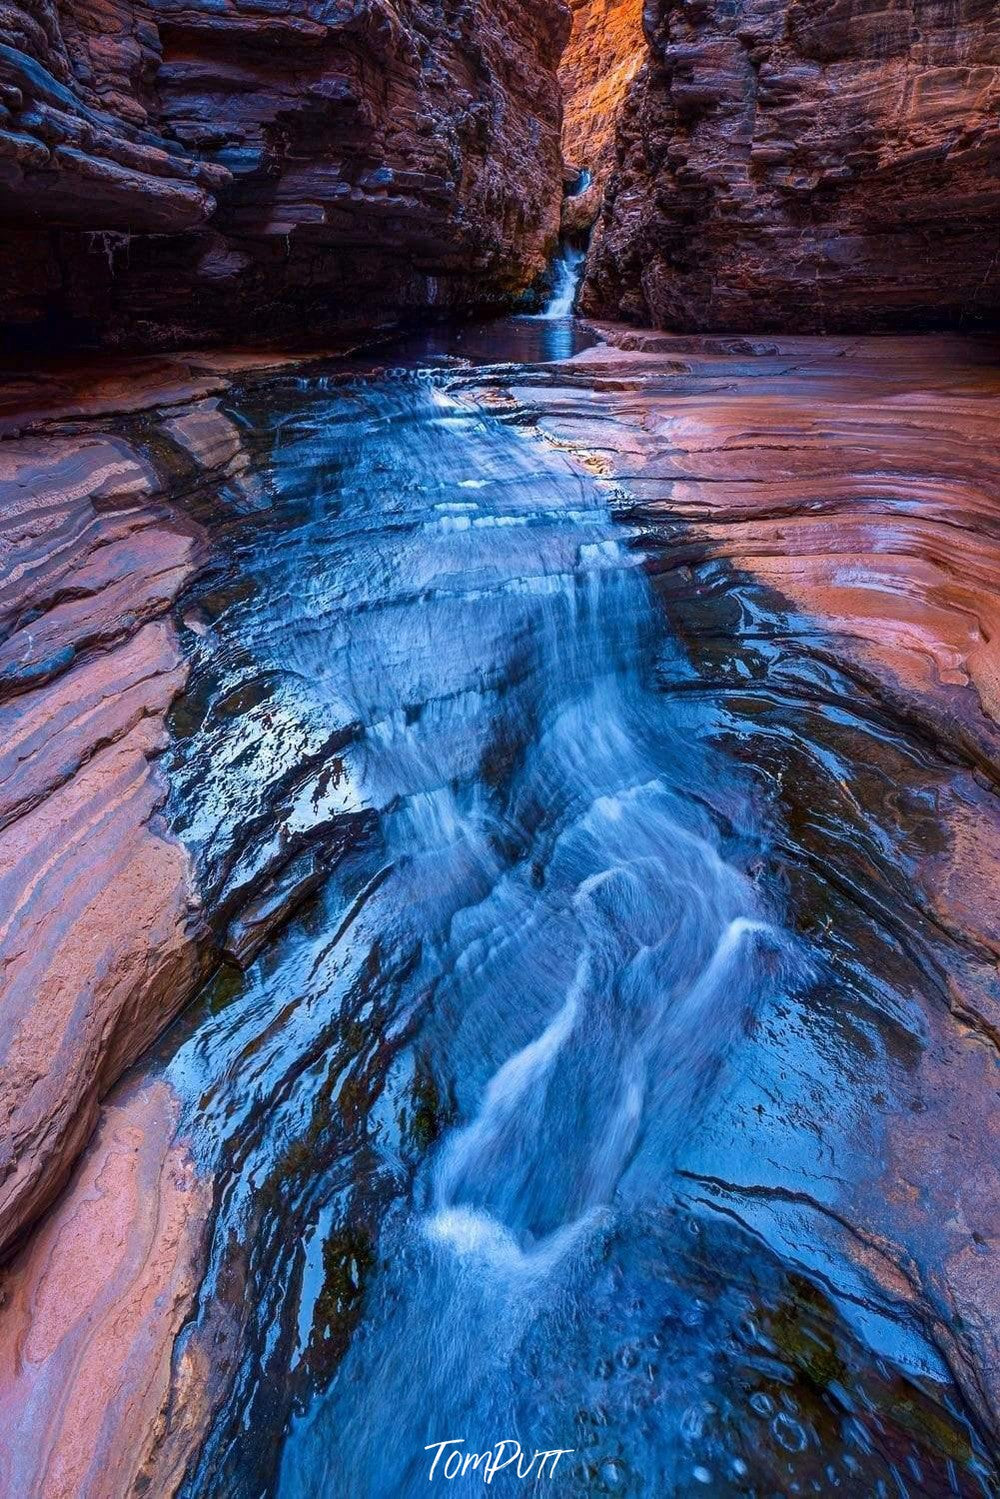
(97, 937)
(605, 51)
(93, 1401)
(366, 160)
(849, 490)
(101, 940)
(856, 480)
(36, 396)
(861, 480)
(807, 166)
(75, 147)
(103, 937)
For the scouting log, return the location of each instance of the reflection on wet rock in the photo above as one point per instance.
(550, 983)
(601, 996)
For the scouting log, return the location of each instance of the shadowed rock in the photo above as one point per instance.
(806, 166)
(170, 174)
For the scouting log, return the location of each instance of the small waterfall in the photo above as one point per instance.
(464, 1113)
(566, 282)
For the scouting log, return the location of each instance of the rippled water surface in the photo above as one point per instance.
(452, 1107)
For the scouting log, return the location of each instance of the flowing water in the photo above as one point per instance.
(567, 271)
(449, 1107)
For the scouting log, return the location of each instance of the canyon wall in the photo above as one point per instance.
(176, 173)
(807, 165)
(94, 553)
(605, 51)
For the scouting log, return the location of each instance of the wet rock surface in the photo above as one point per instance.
(806, 166)
(95, 549)
(820, 525)
(170, 175)
(111, 925)
(362, 677)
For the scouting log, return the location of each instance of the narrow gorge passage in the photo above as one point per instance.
(457, 1114)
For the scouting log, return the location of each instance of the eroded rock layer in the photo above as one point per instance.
(111, 922)
(94, 552)
(807, 166)
(176, 173)
(819, 522)
(92, 1403)
(605, 51)
(819, 519)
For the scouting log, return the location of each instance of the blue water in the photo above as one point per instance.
(450, 1108)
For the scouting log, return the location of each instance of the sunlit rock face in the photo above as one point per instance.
(603, 55)
(174, 173)
(804, 165)
(605, 51)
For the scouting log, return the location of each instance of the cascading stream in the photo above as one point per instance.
(566, 276)
(616, 959)
(450, 1111)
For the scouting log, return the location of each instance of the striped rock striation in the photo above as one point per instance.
(93, 557)
(91, 1399)
(807, 166)
(100, 469)
(605, 50)
(110, 923)
(187, 174)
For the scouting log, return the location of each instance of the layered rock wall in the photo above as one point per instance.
(807, 165)
(177, 173)
(605, 51)
(104, 467)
